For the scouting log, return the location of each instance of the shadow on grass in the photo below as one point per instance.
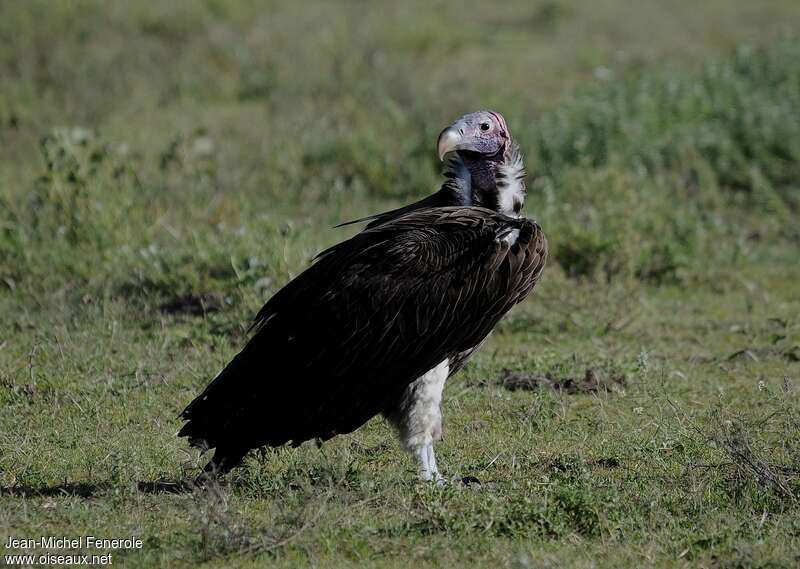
(180, 486)
(81, 489)
(91, 489)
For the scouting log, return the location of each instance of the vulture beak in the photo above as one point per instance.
(449, 140)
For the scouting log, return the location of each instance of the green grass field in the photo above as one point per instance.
(167, 166)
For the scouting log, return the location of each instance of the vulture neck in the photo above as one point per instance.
(496, 183)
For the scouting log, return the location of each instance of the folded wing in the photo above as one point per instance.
(339, 343)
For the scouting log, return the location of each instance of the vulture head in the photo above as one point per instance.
(481, 155)
(483, 167)
(483, 133)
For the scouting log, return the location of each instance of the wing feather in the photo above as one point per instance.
(339, 343)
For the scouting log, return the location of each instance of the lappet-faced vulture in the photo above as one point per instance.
(379, 322)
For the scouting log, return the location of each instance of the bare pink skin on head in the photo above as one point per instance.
(501, 122)
(484, 133)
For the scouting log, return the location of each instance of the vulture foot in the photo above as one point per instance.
(428, 469)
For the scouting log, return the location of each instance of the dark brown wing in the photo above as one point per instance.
(339, 343)
(453, 192)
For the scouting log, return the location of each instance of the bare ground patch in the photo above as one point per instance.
(592, 381)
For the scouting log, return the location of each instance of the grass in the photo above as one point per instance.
(166, 167)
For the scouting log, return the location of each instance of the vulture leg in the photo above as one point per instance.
(418, 418)
(428, 470)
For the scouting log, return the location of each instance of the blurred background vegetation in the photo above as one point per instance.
(153, 146)
(166, 166)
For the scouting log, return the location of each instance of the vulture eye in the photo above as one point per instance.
(485, 126)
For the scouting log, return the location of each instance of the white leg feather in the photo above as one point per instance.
(418, 419)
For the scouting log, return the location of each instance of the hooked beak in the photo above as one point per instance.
(449, 141)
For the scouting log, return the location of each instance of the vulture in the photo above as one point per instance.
(378, 322)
